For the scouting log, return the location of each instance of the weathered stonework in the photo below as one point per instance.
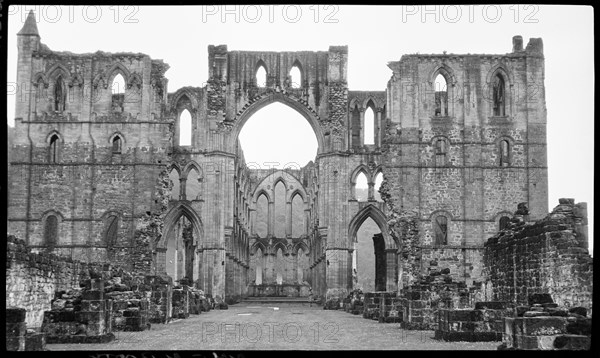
(549, 256)
(103, 178)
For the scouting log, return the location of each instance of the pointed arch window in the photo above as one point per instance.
(503, 223)
(504, 153)
(53, 150)
(185, 128)
(498, 96)
(440, 227)
(441, 96)
(377, 185)
(112, 228)
(261, 76)
(361, 187)
(295, 77)
(118, 93)
(60, 95)
(51, 231)
(117, 142)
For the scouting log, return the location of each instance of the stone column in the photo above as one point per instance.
(371, 191)
(252, 222)
(378, 127)
(390, 270)
(268, 276)
(362, 126)
(182, 185)
(288, 219)
(306, 221)
(271, 215)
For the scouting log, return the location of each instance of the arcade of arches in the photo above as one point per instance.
(405, 180)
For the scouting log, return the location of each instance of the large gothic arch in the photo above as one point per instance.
(267, 99)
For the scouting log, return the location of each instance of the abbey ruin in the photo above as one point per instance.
(101, 178)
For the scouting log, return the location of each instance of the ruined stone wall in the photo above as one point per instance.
(465, 182)
(88, 183)
(32, 279)
(548, 256)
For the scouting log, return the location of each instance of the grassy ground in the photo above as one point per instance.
(290, 327)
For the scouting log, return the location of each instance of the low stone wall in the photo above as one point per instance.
(283, 290)
(32, 279)
(17, 337)
(421, 301)
(482, 324)
(549, 256)
(543, 325)
(384, 307)
(89, 320)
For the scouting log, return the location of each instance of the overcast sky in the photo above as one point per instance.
(374, 35)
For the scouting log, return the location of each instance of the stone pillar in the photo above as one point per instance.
(390, 277)
(294, 276)
(400, 285)
(306, 221)
(271, 215)
(252, 221)
(182, 185)
(288, 219)
(268, 274)
(362, 126)
(378, 127)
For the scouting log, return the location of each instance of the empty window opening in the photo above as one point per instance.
(261, 76)
(192, 185)
(441, 96)
(378, 181)
(295, 77)
(174, 177)
(116, 145)
(498, 96)
(118, 93)
(298, 216)
(504, 153)
(280, 210)
(441, 230)
(51, 231)
(60, 95)
(54, 141)
(185, 128)
(262, 216)
(369, 126)
(503, 224)
(361, 188)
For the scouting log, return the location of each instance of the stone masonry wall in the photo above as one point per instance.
(32, 279)
(548, 256)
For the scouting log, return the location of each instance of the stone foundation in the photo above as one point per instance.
(482, 324)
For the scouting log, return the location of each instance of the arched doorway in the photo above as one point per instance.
(176, 250)
(278, 137)
(374, 254)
